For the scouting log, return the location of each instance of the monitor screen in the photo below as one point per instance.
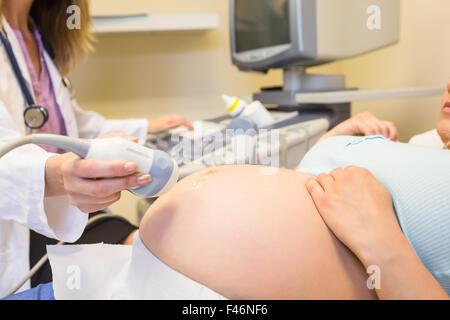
(261, 24)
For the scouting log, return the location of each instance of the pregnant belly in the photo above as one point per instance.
(249, 233)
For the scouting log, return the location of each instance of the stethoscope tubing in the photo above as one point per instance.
(31, 105)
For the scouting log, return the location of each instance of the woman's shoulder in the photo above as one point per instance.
(430, 139)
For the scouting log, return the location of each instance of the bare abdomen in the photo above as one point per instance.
(248, 234)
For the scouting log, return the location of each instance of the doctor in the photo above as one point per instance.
(42, 190)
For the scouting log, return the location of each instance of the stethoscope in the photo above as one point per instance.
(35, 116)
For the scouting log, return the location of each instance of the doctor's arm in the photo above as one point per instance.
(91, 124)
(358, 210)
(90, 184)
(23, 200)
(165, 123)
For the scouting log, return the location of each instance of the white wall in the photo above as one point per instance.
(421, 58)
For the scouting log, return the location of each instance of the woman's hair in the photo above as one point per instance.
(69, 46)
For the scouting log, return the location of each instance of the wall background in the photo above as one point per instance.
(153, 74)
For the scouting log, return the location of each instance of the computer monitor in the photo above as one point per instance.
(267, 34)
(296, 34)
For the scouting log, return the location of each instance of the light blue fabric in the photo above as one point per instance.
(418, 179)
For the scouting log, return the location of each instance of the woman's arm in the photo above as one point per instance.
(364, 124)
(358, 209)
(403, 276)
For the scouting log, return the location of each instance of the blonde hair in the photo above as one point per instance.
(69, 46)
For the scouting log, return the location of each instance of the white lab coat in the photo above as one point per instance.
(22, 172)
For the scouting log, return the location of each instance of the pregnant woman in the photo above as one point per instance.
(290, 235)
(254, 236)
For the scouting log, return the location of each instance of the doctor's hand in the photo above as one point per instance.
(91, 185)
(168, 122)
(364, 124)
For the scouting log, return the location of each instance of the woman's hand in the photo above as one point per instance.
(91, 185)
(356, 207)
(364, 124)
(166, 123)
(358, 210)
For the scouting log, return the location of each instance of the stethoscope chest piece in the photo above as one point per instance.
(35, 117)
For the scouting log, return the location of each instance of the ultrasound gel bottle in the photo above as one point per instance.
(234, 105)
